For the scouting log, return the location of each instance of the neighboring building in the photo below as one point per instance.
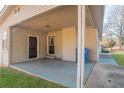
(33, 32)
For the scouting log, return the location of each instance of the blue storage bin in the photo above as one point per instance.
(86, 55)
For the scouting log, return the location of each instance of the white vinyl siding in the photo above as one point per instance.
(4, 47)
(69, 44)
(1, 48)
(20, 44)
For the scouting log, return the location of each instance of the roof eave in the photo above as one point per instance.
(5, 12)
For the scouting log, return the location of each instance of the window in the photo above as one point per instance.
(51, 40)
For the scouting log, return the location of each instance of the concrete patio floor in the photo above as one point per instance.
(62, 72)
(106, 76)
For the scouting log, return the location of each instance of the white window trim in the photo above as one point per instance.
(48, 45)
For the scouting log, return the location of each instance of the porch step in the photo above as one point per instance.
(51, 57)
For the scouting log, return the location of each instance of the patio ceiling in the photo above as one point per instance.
(97, 13)
(55, 19)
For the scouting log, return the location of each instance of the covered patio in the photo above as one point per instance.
(62, 64)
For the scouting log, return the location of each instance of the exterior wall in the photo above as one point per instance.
(19, 14)
(22, 12)
(58, 43)
(69, 44)
(91, 42)
(65, 39)
(20, 44)
(43, 45)
(4, 49)
(1, 47)
(65, 43)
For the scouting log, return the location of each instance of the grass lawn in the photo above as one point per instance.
(118, 52)
(119, 58)
(10, 78)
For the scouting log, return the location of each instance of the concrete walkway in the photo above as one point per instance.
(106, 58)
(87, 71)
(106, 76)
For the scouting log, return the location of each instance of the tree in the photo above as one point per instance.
(123, 39)
(114, 27)
(105, 42)
(108, 43)
(112, 44)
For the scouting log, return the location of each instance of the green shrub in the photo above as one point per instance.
(105, 51)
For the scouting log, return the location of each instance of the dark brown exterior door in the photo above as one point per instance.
(32, 47)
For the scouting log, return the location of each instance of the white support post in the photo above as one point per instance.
(81, 46)
(98, 46)
(10, 45)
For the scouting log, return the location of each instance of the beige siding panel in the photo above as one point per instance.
(1, 47)
(58, 43)
(5, 57)
(4, 48)
(25, 12)
(20, 44)
(69, 44)
(91, 42)
(65, 43)
(43, 45)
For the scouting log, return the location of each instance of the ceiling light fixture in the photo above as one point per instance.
(47, 26)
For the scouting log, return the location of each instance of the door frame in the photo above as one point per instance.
(48, 45)
(37, 47)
